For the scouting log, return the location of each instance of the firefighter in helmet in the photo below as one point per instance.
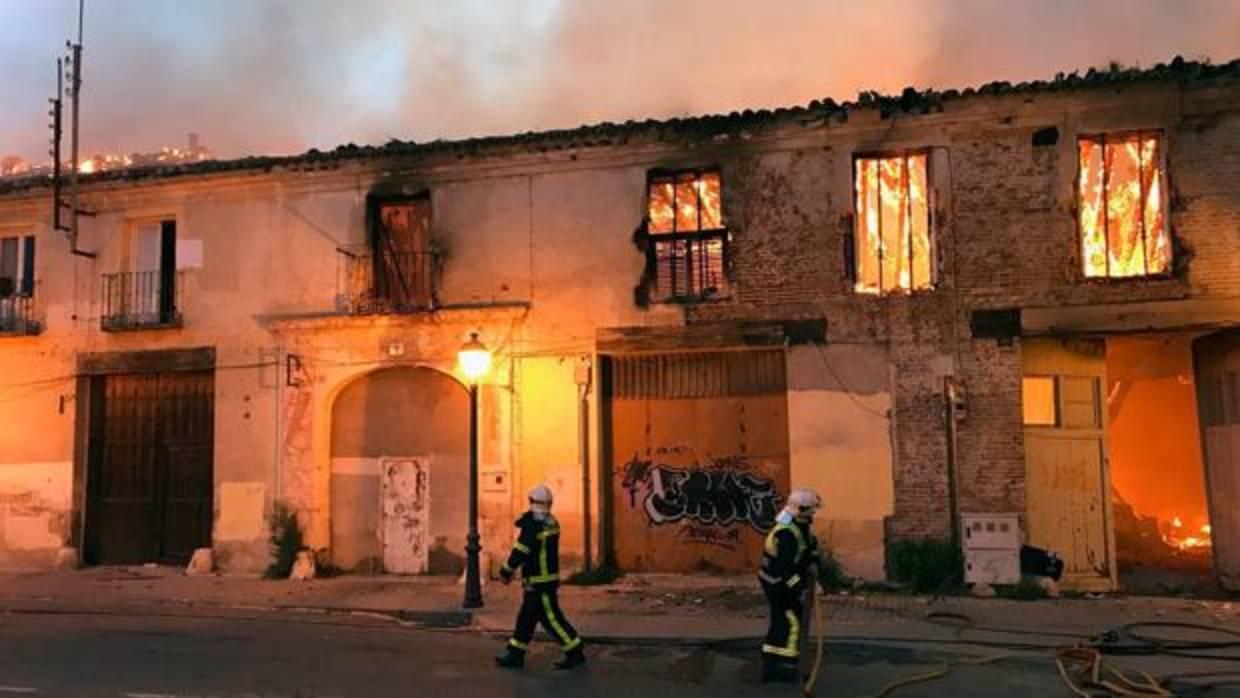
(789, 562)
(536, 554)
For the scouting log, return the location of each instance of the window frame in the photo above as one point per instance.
(26, 261)
(1056, 397)
(1101, 136)
(699, 235)
(381, 255)
(932, 243)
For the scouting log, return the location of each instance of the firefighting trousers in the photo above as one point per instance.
(784, 633)
(541, 605)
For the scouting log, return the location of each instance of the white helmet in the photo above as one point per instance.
(803, 504)
(540, 499)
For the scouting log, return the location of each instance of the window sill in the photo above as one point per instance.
(130, 324)
(691, 300)
(27, 329)
(1161, 278)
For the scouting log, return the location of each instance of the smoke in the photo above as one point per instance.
(278, 76)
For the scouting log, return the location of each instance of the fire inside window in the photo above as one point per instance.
(893, 252)
(688, 238)
(1123, 206)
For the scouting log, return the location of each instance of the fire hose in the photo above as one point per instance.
(1082, 665)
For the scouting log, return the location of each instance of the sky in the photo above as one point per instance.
(282, 76)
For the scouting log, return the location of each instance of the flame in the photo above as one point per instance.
(1182, 537)
(688, 203)
(1122, 219)
(893, 224)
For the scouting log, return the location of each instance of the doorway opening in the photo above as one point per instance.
(1163, 536)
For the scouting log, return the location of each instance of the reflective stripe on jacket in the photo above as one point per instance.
(537, 550)
(787, 554)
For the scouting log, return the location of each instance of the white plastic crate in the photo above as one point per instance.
(991, 531)
(992, 566)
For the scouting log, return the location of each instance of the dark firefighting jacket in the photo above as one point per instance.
(537, 550)
(790, 550)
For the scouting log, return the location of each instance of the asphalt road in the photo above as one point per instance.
(149, 655)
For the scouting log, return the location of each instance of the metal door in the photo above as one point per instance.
(1217, 359)
(404, 490)
(1066, 493)
(700, 458)
(150, 480)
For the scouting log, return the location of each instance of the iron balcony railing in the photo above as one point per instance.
(141, 299)
(388, 282)
(17, 316)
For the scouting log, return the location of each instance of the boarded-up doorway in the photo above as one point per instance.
(150, 481)
(1217, 359)
(699, 455)
(408, 413)
(405, 490)
(1065, 457)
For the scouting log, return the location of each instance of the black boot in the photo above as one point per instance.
(776, 670)
(572, 658)
(512, 659)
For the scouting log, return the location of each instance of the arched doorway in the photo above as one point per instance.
(393, 431)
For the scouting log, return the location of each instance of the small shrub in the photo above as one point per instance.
(831, 574)
(927, 565)
(323, 566)
(286, 540)
(603, 574)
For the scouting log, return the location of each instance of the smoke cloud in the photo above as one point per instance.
(280, 76)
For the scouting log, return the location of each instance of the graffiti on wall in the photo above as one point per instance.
(720, 493)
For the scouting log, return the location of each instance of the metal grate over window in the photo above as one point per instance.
(691, 375)
(688, 240)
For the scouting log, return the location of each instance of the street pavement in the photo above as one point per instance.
(153, 632)
(140, 654)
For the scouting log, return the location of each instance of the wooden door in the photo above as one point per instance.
(1067, 494)
(402, 254)
(150, 481)
(1217, 359)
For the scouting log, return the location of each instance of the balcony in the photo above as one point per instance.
(386, 283)
(17, 316)
(140, 300)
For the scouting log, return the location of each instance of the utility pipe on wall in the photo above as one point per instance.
(581, 375)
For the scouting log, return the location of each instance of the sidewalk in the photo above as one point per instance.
(638, 608)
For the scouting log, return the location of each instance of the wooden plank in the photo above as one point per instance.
(713, 335)
(1131, 317)
(103, 363)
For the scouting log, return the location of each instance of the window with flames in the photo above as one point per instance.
(688, 243)
(1122, 207)
(893, 252)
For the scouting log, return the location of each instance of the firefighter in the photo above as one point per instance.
(789, 562)
(536, 554)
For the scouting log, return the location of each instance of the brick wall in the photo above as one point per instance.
(1007, 237)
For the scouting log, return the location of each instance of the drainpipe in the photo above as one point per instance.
(581, 375)
(953, 394)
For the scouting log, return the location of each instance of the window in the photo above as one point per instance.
(17, 266)
(144, 293)
(401, 262)
(892, 227)
(1041, 405)
(1122, 205)
(688, 241)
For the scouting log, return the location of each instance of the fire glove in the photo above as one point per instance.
(505, 574)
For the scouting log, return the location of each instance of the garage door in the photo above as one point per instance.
(699, 452)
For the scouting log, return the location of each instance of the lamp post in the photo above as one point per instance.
(475, 360)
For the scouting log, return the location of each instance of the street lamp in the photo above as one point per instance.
(475, 360)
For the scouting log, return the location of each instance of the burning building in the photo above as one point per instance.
(1017, 299)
